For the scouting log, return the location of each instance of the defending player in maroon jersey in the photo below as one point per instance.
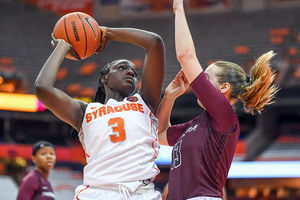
(35, 185)
(203, 148)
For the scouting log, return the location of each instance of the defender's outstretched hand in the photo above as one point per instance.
(178, 86)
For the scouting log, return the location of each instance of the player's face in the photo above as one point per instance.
(122, 77)
(44, 158)
(211, 75)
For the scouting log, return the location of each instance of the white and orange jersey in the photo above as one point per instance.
(120, 143)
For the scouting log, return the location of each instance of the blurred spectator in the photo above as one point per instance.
(35, 185)
(207, 3)
(134, 6)
(11, 79)
(14, 166)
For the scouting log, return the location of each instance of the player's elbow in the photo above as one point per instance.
(162, 137)
(184, 56)
(157, 41)
(39, 89)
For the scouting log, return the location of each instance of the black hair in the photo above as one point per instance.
(100, 94)
(40, 144)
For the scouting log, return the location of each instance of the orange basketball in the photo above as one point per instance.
(81, 31)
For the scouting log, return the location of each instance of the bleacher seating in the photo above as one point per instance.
(281, 151)
(8, 188)
(64, 182)
(26, 38)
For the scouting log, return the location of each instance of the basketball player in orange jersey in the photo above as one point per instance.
(203, 148)
(118, 130)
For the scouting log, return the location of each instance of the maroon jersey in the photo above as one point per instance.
(35, 186)
(203, 147)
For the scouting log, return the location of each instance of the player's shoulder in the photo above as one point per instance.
(31, 177)
(82, 104)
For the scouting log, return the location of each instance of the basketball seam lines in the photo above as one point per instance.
(98, 39)
(84, 34)
(66, 31)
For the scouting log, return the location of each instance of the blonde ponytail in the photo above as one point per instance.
(255, 91)
(259, 92)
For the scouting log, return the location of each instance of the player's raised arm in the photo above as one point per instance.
(154, 63)
(176, 88)
(185, 49)
(63, 106)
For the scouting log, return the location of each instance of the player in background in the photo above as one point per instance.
(35, 185)
(203, 148)
(118, 130)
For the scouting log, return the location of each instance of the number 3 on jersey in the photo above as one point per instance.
(117, 125)
(176, 155)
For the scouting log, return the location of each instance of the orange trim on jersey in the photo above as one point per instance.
(152, 160)
(83, 144)
(85, 151)
(150, 121)
(153, 147)
(81, 191)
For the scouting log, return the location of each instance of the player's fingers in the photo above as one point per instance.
(52, 43)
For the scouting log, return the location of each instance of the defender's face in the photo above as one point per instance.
(210, 72)
(211, 75)
(45, 158)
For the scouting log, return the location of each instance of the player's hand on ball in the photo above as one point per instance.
(54, 41)
(103, 40)
(71, 52)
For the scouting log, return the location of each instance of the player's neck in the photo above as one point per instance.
(45, 173)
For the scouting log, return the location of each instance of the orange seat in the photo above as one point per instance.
(88, 68)
(242, 49)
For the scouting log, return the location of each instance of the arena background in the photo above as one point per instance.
(266, 163)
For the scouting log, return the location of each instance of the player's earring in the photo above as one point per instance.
(103, 80)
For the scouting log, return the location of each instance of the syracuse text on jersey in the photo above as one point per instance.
(105, 110)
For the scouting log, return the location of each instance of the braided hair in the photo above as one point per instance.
(100, 94)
